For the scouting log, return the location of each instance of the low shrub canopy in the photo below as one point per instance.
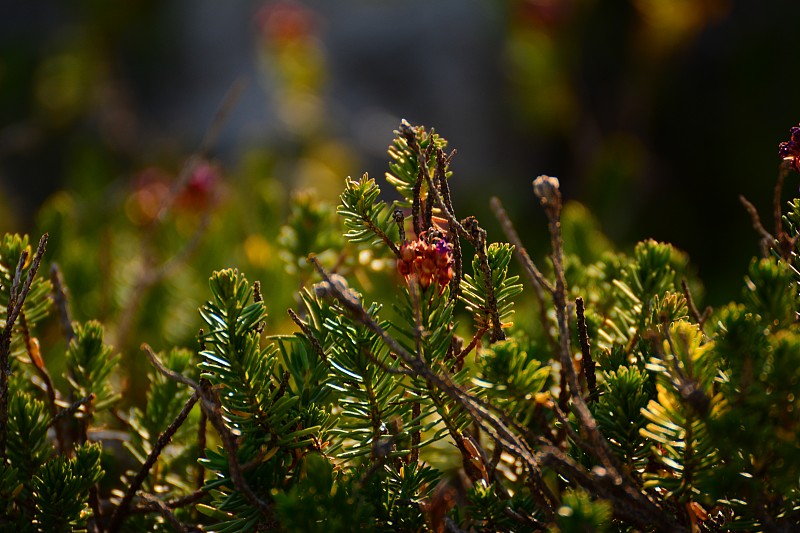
(422, 388)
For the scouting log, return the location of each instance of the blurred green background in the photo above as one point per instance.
(656, 114)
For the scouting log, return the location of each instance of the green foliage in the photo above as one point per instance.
(580, 514)
(90, 363)
(626, 392)
(37, 304)
(311, 227)
(61, 490)
(511, 378)
(685, 372)
(771, 292)
(28, 447)
(365, 215)
(400, 407)
(327, 501)
(404, 162)
(475, 291)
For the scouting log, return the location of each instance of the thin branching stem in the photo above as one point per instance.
(537, 278)
(152, 273)
(410, 136)
(379, 232)
(399, 220)
(32, 347)
(121, 510)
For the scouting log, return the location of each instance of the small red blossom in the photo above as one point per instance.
(200, 187)
(429, 259)
(285, 22)
(790, 150)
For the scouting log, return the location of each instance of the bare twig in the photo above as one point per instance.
(410, 135)
(228, 103)
(599, 484)
(379, 232)
(68, 411)
(164, 510)
(32, 347)
(150, 272)
(175, 503)
(536, 276)
(538, 281)
(399, 219)
(419, 330)
(767, 240)
(201, 449)
(588, 363)
(59, 297)
(699, 318)
(14, 308)
(547, 190)
(212, 410)
(175, 376)
(777, 213)
(312, 339)
(442, 163)
(121, 510)
(476, 339)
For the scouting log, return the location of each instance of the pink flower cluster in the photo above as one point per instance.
(790, 150)
(428, 259)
